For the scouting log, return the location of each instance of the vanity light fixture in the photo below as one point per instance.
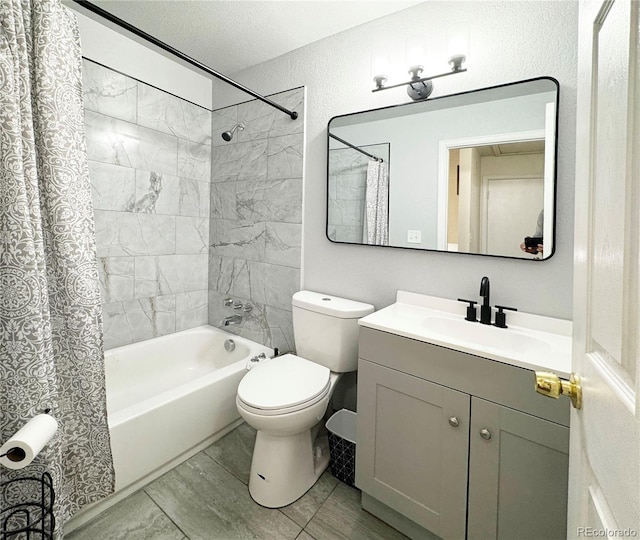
(420, 87)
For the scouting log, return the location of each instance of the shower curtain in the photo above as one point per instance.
(375, 229)
(51, 352)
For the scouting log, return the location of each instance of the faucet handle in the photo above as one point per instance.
(227, 302)
(471, 310)
(501, 317)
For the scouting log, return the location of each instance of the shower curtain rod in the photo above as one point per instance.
(355, 147)
(166, 47)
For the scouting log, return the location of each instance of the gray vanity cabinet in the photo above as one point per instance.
(518, 473)
(418, 464)
(460, 445)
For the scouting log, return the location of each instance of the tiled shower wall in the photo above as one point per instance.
(150, 168)
(256, 217)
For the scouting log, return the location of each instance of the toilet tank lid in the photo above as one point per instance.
(331, 305)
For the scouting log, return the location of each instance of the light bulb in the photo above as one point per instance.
(415, 53)
(415, 56)
(380, 64)
(457, 44)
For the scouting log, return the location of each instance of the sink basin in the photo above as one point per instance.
(530, 341)
(505, 340)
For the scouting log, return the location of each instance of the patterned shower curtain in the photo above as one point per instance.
(51, 351)
(375, 230)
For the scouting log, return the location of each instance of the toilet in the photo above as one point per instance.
(285, 398)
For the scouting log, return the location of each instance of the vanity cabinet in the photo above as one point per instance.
(418, 461)
(518, 474)
(459, 445)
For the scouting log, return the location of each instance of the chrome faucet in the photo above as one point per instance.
(233, 319)
(485, 308)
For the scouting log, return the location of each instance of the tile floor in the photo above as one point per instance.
(206, 497)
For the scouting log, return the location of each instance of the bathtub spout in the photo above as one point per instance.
(234, 319)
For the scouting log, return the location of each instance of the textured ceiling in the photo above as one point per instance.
(233, 35)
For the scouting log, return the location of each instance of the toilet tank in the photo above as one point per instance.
(325, 329)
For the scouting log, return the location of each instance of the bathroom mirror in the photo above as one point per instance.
(473, 172)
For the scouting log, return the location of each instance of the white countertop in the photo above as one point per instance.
(531, 341)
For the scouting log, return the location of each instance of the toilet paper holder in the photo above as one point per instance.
(35, 518)
(17, 454)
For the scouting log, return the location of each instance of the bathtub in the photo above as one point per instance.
(170, 397)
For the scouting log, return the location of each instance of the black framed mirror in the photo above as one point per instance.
(473, 172)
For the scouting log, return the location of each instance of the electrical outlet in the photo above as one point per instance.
(414, 237)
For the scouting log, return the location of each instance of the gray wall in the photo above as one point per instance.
(256, 217)
(149, 163)
(509, 41)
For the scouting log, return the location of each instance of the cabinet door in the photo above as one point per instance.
(410, 454)
(518, 476)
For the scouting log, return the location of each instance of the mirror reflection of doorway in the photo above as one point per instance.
(496, 193)
(512, 208)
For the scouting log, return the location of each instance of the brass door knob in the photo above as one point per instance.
(550, 385)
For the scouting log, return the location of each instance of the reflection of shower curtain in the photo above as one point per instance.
(50, 313)
(376, 205)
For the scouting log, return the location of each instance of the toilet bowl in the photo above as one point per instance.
(285, 398)
(287, 460)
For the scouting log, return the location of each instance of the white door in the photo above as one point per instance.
(509, 212)
(604, 476)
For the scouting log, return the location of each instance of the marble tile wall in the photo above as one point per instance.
(347, 182)
(256, 217)
(150, 168)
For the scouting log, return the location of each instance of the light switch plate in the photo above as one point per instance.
(414, 237)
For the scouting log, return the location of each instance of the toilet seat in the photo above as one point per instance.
(284, 384)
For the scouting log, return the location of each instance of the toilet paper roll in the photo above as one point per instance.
(27, 443)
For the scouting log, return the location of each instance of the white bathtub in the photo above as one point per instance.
(171, 396)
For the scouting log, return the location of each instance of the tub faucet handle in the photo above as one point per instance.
(227, 302)
(247, 308)
(237, 304)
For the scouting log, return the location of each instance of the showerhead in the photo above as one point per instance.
(228, 135)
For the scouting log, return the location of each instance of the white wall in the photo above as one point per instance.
(116, 51)
(509, 41)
